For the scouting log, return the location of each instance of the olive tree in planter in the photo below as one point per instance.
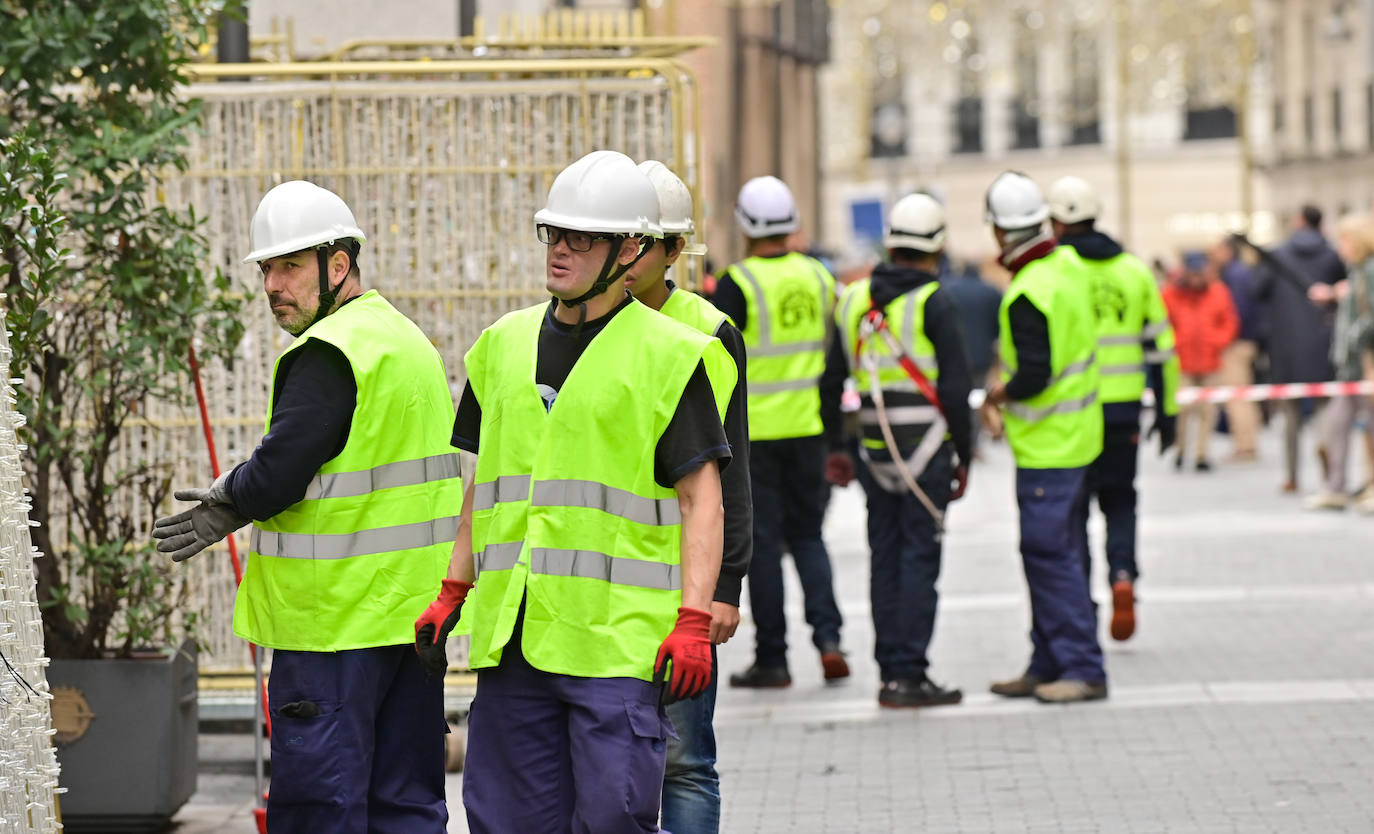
(92, 89)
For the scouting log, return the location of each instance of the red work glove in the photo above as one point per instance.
(688, 647)
(433, 627)
(960, 483)
(839, 468)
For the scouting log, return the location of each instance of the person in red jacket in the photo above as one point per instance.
(1205, 324)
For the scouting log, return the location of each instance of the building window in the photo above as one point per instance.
(1336, 117)
(968, 125)
(1084, 80)
(1025, 105)
(1369, 114)
(1209, 113)
(968, 110)
(1309, 122)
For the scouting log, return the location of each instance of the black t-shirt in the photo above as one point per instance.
(693, 437)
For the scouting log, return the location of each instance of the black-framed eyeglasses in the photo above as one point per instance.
(577, 241)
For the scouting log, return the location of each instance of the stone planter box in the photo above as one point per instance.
(126, 739)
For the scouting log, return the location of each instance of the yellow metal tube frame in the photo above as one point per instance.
(681, 81)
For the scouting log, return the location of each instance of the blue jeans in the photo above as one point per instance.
(357, 743)
(691, 786)
(1112, 479)
(905, 548)
(789, 488)
(1053, 503)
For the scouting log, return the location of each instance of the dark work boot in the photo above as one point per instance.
(833, 664)
(917, 692)
(762, 677)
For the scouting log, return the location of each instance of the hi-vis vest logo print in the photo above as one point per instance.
(799, 307)
(1109, 302)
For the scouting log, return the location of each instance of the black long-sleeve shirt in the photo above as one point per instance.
(315, 397)
(1030, 333)
(942, 328)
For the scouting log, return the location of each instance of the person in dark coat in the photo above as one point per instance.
(1299, 330)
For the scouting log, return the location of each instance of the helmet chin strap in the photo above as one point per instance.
(328, 295)
(609, 275)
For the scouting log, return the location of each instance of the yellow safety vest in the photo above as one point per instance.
(1130, 313)
(567, 517)
(790, 301)
(1061, 427)
(353, 564)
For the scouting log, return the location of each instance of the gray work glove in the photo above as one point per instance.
(187, 533)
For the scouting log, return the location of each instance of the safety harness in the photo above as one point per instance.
(910, 468)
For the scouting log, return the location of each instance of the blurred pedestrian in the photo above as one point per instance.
(1238, 360)
(1299, 344)
(1053, 422)
(1205, 324)
(1352, 341)
(977, 303)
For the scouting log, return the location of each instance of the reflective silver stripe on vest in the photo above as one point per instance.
(388, 475)
(1120, 370)
(766, 347)
(1030, 414)
(617, 570)
(906, 415)
(496, 556)
(1153, 331)
(598, 496)
(505, 488)
(1074, 368)
(1156, 357)
(779, 387)
(361, 543)
(1117, 340)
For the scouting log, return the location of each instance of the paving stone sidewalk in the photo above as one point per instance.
(1244, 704)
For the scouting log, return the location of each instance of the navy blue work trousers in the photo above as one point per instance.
(559, 754)
(905, 548)
(1053, 503)
(1111, 479)
(357, 743)
(790, 491)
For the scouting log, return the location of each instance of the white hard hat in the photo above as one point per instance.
(674, 199)
(299, 215)
(1014, 201)
(602, 192)
(918, 222)
(765, 208)
(1073, 200)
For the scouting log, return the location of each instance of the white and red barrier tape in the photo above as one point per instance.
(1290, 391)
(1218, 394)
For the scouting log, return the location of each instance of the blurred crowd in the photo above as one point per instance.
(1298, 313)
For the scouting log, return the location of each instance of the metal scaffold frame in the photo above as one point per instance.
(444, 163)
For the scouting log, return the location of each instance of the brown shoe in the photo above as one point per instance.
(1070, 691)
(1123, 608)
(833, 664)
(1289, 487)
(1022, 687)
